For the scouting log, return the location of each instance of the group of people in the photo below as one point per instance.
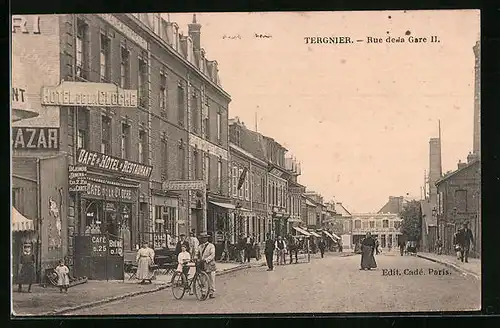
(463, 241)
(186, 250)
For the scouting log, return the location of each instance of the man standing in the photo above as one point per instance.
(182, 241)
(281, 250)
(465, 239)
(268, 251)
(206, 253)
(321, 246)
(193, 244)
(248, 248)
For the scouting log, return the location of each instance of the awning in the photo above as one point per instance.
(224, 205)
(331, 235)
(302, 231)
(314, 234)
(20, 222)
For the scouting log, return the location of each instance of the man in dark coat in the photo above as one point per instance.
(465, 240)
(322, 246)
(182, 241)
(268, 251)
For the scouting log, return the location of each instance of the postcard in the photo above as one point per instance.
(234, 163)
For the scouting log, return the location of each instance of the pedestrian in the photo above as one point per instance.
(193, 244)
(367, 256)
(206, 254)
(248, 248)
(340, 246)
(377, 245)
(293, 248)
(182, 241)
(241, 249)
(280, 247)
(268, 251)
(465, 241)
(439, 246)
(401, 247)
(322, 246)
(145, 259)
(26, 274)
(62, 276)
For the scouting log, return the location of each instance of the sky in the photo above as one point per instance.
(357, 116)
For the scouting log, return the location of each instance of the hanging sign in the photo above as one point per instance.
(99, 245)
(35, 138)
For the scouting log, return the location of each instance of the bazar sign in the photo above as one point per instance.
(184, 185)
(111, 163)
(35, 138)
(108, 191)
(88, 94)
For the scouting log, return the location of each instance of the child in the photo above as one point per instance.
(62, 276)
(183, 258)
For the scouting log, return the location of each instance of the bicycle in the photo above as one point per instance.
(181, 283)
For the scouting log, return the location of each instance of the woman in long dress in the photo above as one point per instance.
(27, 268)
(367, 250)
(145, 258)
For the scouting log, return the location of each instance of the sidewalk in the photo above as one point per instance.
(472, 268)
(49, 301)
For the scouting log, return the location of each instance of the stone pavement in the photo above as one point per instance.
(473, 267)
(49, 301)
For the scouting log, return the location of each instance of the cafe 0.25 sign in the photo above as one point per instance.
(101, 245)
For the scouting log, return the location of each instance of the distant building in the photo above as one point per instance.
(384, 226)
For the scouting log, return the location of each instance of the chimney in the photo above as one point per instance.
(194, 32)
(435, 172)
(461, 165)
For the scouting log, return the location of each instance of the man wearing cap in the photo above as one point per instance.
(465, 240)
(182, 241)
(206, 253)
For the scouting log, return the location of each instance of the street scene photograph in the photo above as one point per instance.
(245, 163)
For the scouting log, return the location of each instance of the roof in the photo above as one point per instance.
(394, 205)
(446, 177)
(340, 209)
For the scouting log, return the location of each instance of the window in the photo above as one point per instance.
(206, 128)
(143, 83)
(207, 169)
(385, 223)
(180, 104)
(247, 186)
(125, 68)
(219, 126)
(263, 189)
(235, 181)
(125, 141)
(372, 224)
(182, 160)
(461, 201)
(82, 49)
(196, 165)
(195, 112)
(83, 127)
(357, 224)
(397, 224)
(142, 147)
(219, 174)
(160, 240)
(105, 58)
(106, 135)
(163, 92)
(164, 158)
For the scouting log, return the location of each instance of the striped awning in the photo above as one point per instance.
(314, 234)
(20, 222)
(332, 235)
(302, 231)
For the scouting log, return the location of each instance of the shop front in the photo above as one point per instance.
(165, 214)
(222, 218)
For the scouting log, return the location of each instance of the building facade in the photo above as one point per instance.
(384, 226)
(459, 201)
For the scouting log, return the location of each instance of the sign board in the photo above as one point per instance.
(99, 245)
(110, 163)
(125, 30)
(108, 192)
(35, 138)
(77, 178)
(88, 94)
(184, 185)
(115, 247)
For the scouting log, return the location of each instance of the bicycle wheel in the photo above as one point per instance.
(201, 286)
(178, 285)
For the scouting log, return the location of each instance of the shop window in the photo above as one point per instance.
(163, 92)
(125, 68)
(385, 223)
(82, 49)
(105, 58)
(219, 175)
(160, 238)
(195, 112)
(142, 147)
(357, 224)
(125, 141)
(106, 135)
(180, 104)
(83, 127)
(143, 83)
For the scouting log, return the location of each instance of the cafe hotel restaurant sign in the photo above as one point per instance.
(88, 94)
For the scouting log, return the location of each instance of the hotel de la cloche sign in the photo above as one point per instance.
(88, 94)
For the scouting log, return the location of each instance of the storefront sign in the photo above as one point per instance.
(124, 29)
(20, 24)
(35, 138)
(206, 146)
(99, 244)
(77, 178)
(184, 185)
(115, 164)
(88, 94)
(108, 192)
(115, 247)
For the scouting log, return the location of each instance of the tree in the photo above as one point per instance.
(411, 226)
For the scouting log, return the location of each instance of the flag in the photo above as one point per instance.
(242, 178)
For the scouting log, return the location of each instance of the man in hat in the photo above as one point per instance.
(206, 253)
(182, 241)
(465, 241)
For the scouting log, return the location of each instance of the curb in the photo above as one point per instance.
(451, 265)
(238, 268)
(103, 301)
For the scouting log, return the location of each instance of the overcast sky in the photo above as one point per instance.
(358, 116)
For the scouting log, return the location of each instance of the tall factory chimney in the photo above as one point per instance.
(476, 145)
(435, 168)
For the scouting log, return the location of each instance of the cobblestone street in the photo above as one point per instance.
(332, 284)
